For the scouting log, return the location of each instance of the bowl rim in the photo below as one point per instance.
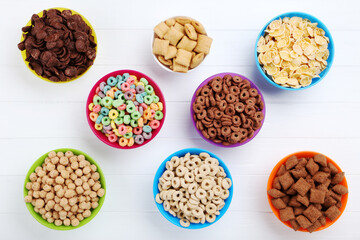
(272, 175)
(162, 65)
(94, 212)
(23, 53)
(161, 169)
(327, 34)
(99, 134)
(253, 85)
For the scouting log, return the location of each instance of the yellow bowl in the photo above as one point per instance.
(23, 53)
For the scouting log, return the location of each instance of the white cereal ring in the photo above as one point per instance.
(176, 208)
(190, 165)
(207, 184)
(225, 194)
(160, 187)
(217, 190)
(197, 161)
(204, 169)
(173, 203)
(186, 210)
(187, 157)
(202, 220)
(166, 185)
(220, 206)
(189, 177)
(210, 194)
(192, 188)
(217, 213)
(214, 169)
(226, 183)
(204, 201)
(180, 214)
(175, 182)
(169, 195)
(196, 171)
(166, 205)
(219, 181)
(197, 212)
(202, 206)
(168, 175)
(175, 161)
(172, 213)
(204, 155)
(183, 183)
(177, 195)
(199, 178)
(184, 222)
(210, 208)
(200, 193)
(193, 202)
(217, 201)
(194, 219)
(158, 199)
(181, 205)
(169, 165)
(221, 172)
(210, 217)
(181, 170)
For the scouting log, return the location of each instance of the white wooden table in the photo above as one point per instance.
(38, 116)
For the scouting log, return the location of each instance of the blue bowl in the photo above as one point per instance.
(330, 47)
(162, 168)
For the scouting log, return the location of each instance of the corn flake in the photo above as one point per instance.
(293, 51)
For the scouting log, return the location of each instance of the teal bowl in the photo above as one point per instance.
(330, 47)
(94, 212)
(162, 168)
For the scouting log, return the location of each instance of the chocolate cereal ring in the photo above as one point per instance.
(219, 96)
(235, 128)
(227, 80)
(247, 123)
(236, 120)
(251, 101)
(237, 79)
(216, 86)
(217, 123)
(239, 107)
(253, 92)
(222, 105)
(200, 100)
(198, 108)
(244, 94)
(230, 98)
(205, 134)
(199, 125)
(235, 90)
(218, 114)
(212, 101)
(235, 137)
(250, 110)
(230, 110)
(259, 116)
(212, 132)
(226, 131)
(226, 89)
(205, 91)
(201, 115)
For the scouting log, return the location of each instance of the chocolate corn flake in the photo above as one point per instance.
(59, 45)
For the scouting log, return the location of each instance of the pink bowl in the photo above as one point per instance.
(139, 75)
(192, 111)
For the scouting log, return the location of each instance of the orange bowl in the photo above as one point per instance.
(305, 154)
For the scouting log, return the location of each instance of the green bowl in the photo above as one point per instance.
(38, 217)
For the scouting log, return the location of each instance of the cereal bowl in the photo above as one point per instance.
(38, 216)
(162, 168)
(192, 113)
(329, 60)
(305, 154)
(182, 37)
(24, 52)
(100, 134)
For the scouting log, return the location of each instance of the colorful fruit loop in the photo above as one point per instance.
(293, 51)
(126, 110)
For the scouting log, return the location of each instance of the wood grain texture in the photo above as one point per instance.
(38, 116)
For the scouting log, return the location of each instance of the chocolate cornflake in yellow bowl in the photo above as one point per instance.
(58, 45)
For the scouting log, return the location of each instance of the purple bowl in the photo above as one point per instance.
(192, 111)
